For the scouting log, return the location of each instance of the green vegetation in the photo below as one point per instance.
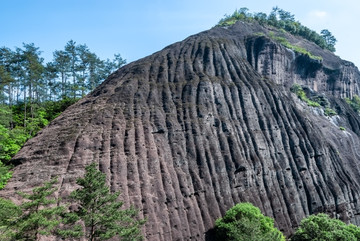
(321, 227)
(354, 103)
(342, 128)
(284, 21)
(298, 90)
(33, 93)
(100, 211)
(8, 214)
(316, 101)
(297, 49)
(40, 215)
(246, 222)
(329, 112)
(37, 216)
(16, 128)
(5, 174)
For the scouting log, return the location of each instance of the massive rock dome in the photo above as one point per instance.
(206, 123)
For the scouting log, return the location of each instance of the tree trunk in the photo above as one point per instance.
(25, 108)
(10, 106)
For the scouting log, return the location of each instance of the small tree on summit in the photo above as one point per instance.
(329, 39)
(101, 212)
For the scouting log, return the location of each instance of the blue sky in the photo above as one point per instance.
(137, 28)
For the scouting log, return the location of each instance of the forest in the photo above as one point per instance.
(32, 92)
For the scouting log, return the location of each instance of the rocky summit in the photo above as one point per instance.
(209, 122)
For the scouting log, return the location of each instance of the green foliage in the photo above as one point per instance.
(69, 228)
(101, 212)
(246, 222)
(37, 216)
(16, 129)
(32, 93)
(241, 14)
(298, 90)
(5, 174)
(321, 227)
(53, 109)
(284, 21)
(354, 103)
(342, 128)
(40, 215)
(11, 141)
(297, 49)
(329, 112)
(329, 39)
(9, 212)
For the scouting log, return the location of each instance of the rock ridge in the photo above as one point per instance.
(206, 123)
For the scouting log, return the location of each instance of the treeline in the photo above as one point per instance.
(73, 72)
(98, 215)
(282, 19)
(32, 92)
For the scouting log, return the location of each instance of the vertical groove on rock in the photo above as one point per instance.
(191, 130)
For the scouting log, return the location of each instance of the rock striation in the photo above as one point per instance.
(206, 123)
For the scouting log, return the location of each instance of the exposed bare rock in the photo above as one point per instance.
(331, 75)
(206, 123)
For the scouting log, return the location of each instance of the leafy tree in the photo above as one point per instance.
(260, 17)
(71, 51)
(32, 93)
(321, 227)
(7, 80)
(5, 175)
(284, 15)
(329, 39)
(117, 62)
(61, 63)
(53, 109)
(33, 70)
(283, 20)
(50, 79)
(100, 211)
(246, 222)
(9, 212)
(11, 141)
(35, 217)
(14, 135)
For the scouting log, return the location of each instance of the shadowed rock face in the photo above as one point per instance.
(206, 123)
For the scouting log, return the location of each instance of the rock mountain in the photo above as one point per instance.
(206, 123)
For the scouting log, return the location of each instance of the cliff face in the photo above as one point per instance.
(206, 123)
(331, 75)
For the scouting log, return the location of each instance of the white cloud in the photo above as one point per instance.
(319, 14)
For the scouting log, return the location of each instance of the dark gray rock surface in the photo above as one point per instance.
(206, 123)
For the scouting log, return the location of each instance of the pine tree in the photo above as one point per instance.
(40, 215)
(100, 210)
(9, 212)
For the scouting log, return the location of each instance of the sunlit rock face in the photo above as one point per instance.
(206, 123)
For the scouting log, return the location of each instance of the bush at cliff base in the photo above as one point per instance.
(322, 227)
(246, 222)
